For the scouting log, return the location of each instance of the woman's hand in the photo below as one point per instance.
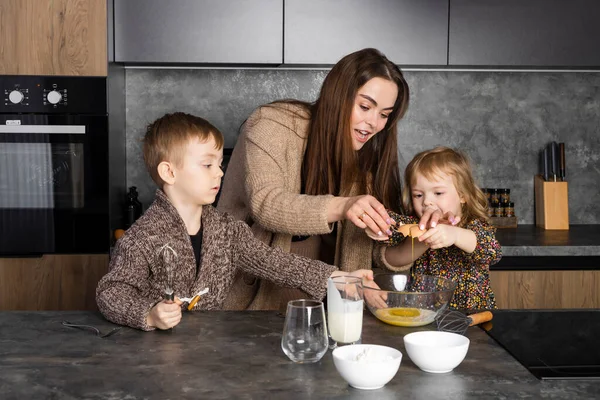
(165, 314)
(366, 212)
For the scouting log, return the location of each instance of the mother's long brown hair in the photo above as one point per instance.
(331, 165)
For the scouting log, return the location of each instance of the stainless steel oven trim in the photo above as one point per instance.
(51, 129)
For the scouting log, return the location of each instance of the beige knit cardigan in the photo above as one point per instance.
(262, 187)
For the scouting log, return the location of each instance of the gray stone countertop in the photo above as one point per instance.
(529, 240)
(224, 355)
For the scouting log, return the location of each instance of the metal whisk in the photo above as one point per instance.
(457, 322)
(169, 258)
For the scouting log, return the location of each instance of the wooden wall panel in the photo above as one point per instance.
(546, 289)
(51, 282)
(79, 37)
(28, 284)
(79, 278)
(53, 37)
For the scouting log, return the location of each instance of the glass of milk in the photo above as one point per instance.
(304, 338)
(344, 310)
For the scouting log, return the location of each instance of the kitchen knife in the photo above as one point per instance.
(563, 164)
(545, 166)
(554, 158)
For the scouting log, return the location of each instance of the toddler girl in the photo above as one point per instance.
(462, 249)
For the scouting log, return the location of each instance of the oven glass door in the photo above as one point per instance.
(41, 175)
(53, 184)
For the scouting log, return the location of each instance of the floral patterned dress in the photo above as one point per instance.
(471, 271)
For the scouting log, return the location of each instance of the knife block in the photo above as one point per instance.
(551, 204)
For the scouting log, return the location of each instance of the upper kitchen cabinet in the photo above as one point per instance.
(554, 33)
(59, 37)
(408, 32)
(199, 31)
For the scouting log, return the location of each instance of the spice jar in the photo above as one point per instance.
(486, 192)
(490, 211)
(494, 198)
(504, 195)
(499, 210)
(509, 209)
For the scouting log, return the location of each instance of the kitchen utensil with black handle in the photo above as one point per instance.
(554, 157)
(563, 164)
(545, 164)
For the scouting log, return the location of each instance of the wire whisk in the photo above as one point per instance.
(169, 258)
(456, 322)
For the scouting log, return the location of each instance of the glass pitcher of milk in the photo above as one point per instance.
(344, 310)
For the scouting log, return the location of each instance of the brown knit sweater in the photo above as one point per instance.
(136, 279)
(262, 187)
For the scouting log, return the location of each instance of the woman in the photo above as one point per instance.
(309, 178)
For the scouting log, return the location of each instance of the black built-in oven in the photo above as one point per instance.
(53, 165)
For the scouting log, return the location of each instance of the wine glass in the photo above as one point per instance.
(304, 337)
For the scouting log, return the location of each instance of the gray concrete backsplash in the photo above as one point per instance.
(501, 120)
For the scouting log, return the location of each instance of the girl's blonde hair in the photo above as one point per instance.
(430, 164)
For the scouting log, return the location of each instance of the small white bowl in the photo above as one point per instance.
(436, 352)
(367, 366)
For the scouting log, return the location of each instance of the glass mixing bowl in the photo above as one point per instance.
(405, 300)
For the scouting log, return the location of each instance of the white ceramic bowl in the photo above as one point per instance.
(436, 352)
(367, 366)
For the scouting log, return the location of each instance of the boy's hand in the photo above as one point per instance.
(373, 297)
(440, 236)
(165, 314)
(366, 275)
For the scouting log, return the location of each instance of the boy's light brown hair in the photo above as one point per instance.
(166, 138)
(430, 164)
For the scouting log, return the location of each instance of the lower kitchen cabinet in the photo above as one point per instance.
(546, 289)
(51, 282)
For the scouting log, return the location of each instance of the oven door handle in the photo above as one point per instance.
(45, 129)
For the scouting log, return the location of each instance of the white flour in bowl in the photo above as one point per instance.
(371, 355)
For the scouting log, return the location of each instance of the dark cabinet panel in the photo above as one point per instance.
(558, 33)
(199, 31)
(409, 32)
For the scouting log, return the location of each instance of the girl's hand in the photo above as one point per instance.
(165, 314)
(440, 236)
(367, 212)
(433, 217)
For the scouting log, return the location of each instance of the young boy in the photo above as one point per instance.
(202, 247)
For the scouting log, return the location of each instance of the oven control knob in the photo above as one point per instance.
(54, 97)
(16, 97)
